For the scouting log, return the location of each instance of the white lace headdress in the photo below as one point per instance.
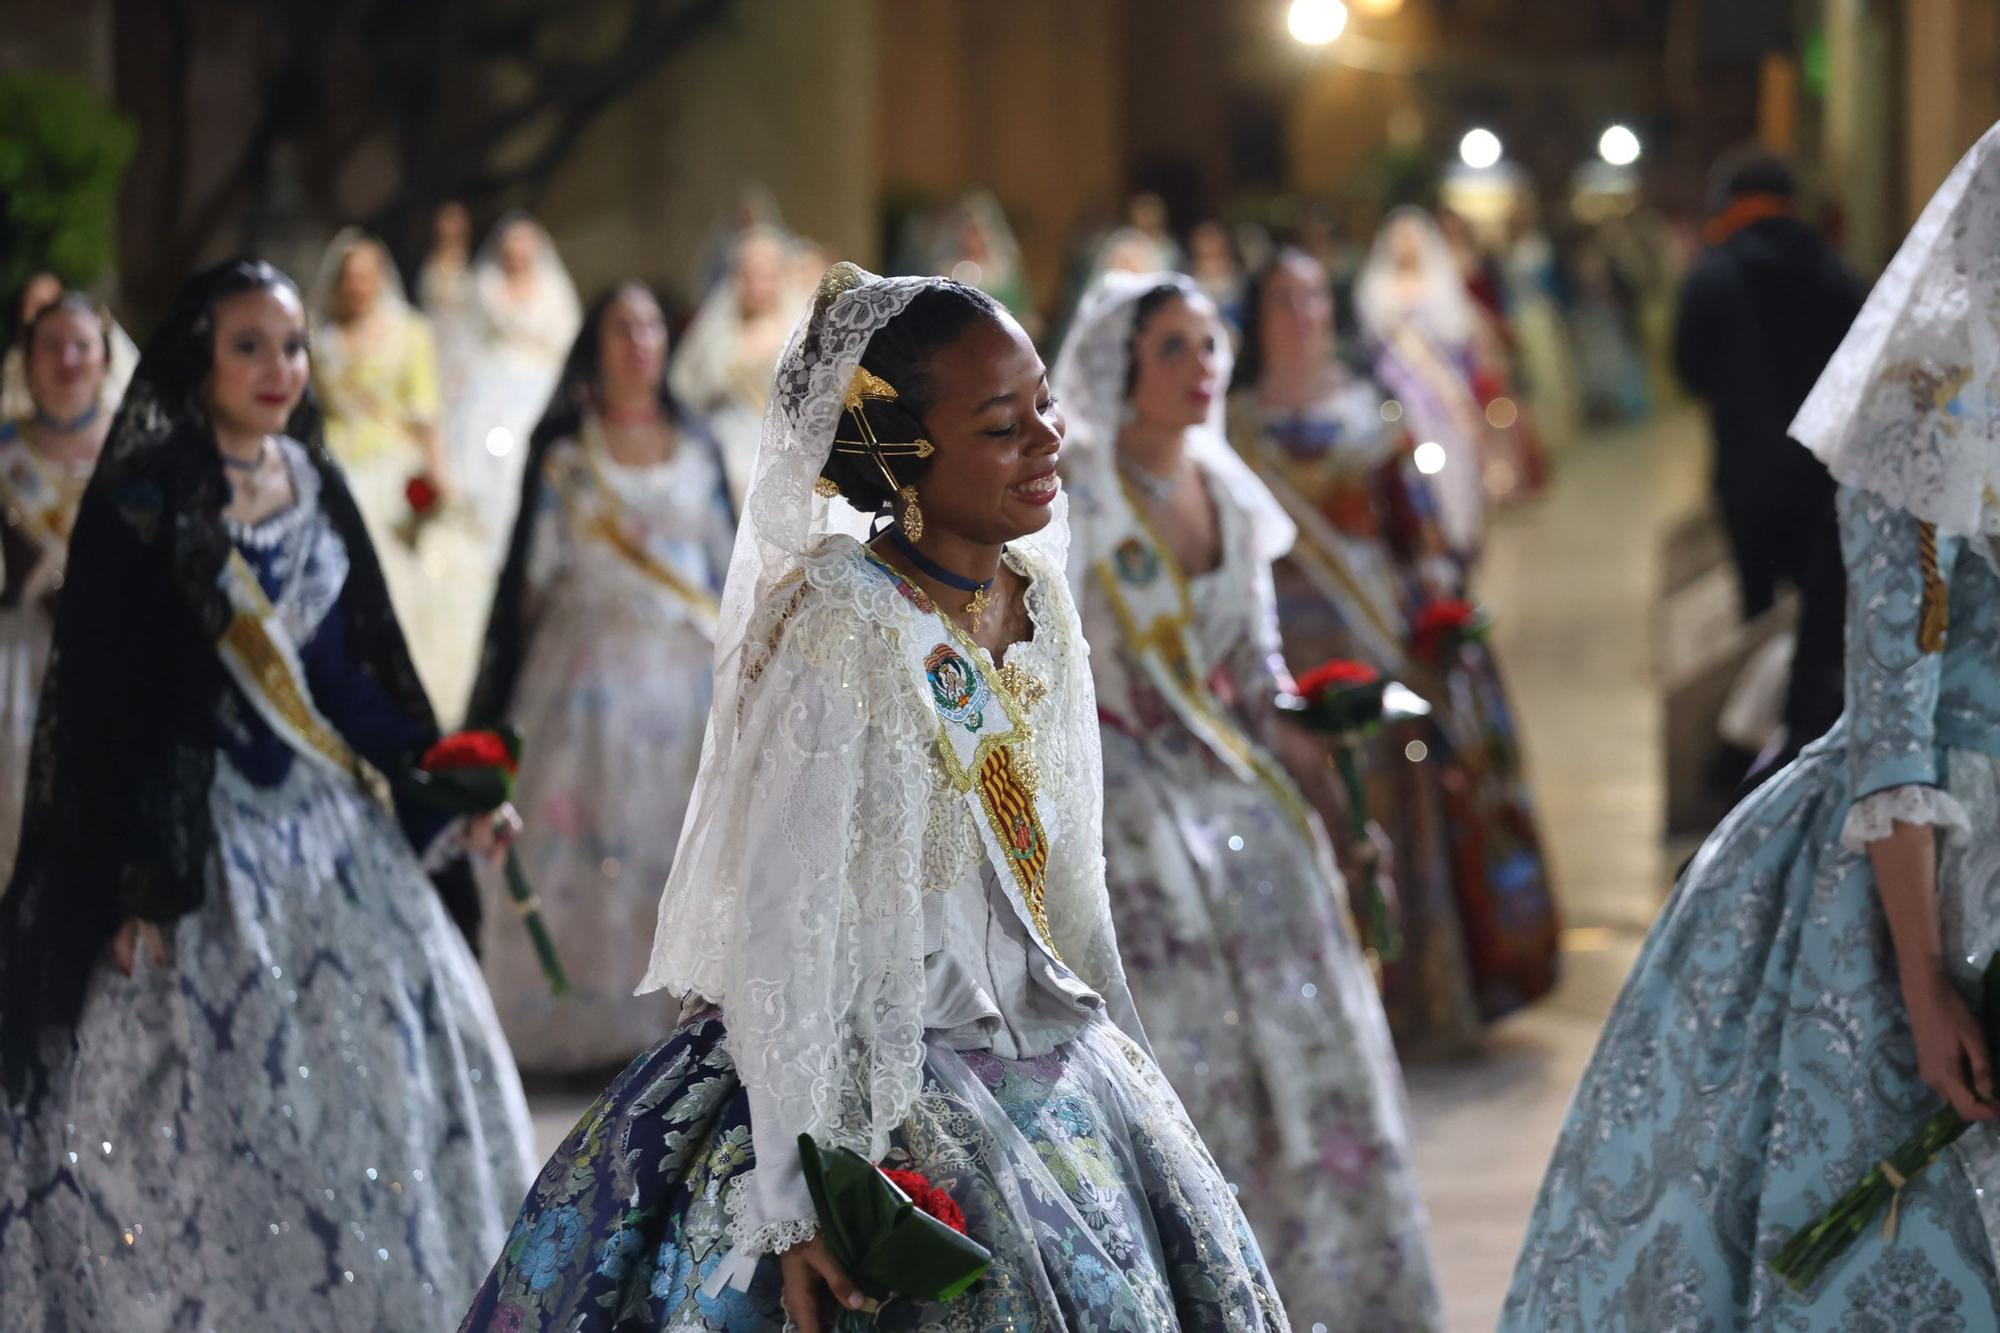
(1442, 309)
(1909, 406)
(551, 318)
(1090, 382)
(325, 293)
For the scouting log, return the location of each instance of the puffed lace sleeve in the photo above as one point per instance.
(1893, 668)
(795, 905)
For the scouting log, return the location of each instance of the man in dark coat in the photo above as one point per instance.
(1761, 314)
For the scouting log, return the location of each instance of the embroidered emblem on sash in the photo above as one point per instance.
(1136, 561)
(961, 693)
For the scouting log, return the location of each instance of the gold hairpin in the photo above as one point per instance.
(865, 387)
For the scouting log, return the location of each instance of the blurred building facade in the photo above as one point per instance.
(854, 112)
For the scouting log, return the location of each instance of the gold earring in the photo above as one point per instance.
(913, 517)
(826, 487)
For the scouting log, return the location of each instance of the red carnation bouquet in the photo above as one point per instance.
(1443, 625)
(426, 502)
(1350, 701)
(472, 773)
(928, 1197)
(894, 1232)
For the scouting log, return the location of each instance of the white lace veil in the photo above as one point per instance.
(1908, 408)
(1089, 380)
(324, 295)
(1442, 310)
(548, 323)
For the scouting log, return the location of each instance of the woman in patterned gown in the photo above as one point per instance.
(1232, 917)
(1478, 920)
(599, 648)
(1806, 982)
(888, 914)
(253, 1079)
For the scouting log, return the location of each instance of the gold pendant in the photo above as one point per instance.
(976, 608)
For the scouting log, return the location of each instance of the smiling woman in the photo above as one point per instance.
(888, 915)
(255, 1077)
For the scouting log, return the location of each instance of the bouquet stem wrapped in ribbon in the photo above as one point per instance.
(472, 773)
(1814, 1248)
(1350, 701)
(892, 1231)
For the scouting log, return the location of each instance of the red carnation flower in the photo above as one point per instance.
(929, 1198)
(1443, 620)
(1339, 674)
(469, 749)
(422, 493)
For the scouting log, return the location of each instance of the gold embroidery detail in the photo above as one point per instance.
(1167, 638)
(614, 534)
(1935, 621)
(1018, 681)
(246, 636)
(1003, 771)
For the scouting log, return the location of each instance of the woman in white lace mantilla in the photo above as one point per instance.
(525, 314)
(1800, 1006)
(912, 959)
(722, 368)
(1232, 919)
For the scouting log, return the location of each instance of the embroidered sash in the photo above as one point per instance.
(1319, 554)
(984, 742)
(1149, 595)
(35, 506)
(261, 658)
(609, 522)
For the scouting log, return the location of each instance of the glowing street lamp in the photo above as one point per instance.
(1316, 22)
(1618, 146)
(1479, 149)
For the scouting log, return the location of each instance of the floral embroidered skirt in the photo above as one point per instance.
(1757, 1065)
(1262, 1011)
(1078, 1169)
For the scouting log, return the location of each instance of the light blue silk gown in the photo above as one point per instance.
(1760, 1062)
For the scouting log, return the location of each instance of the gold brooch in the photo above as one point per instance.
(1021, 683)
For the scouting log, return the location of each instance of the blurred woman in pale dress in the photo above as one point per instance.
(723, 369)
(527, 316)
